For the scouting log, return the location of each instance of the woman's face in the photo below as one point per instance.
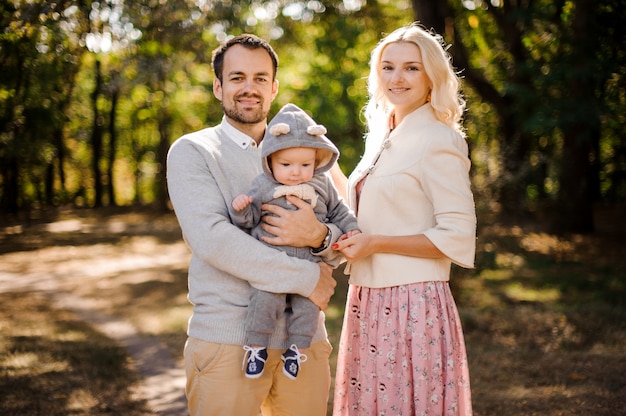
(403, 79)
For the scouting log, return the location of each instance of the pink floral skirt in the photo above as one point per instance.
(402, 353)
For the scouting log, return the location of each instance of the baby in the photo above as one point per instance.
(296, 156)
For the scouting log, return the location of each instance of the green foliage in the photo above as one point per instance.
(157, 85)
(324, 64)
(544, 70)
(40, 51)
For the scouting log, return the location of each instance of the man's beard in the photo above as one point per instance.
(245, 116)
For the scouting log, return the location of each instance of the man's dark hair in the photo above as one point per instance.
(248, 41)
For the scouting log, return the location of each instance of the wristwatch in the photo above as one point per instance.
(325, 242)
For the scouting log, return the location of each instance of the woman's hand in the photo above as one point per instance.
(356, 246)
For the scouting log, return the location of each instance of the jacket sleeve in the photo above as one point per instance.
(340, 220)
(338, 212)
(250, 216)
(445, 179)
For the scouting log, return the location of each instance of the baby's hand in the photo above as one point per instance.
(241, 201)
(351, 233)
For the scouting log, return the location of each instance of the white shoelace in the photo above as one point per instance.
(252, 356)
(300, 358)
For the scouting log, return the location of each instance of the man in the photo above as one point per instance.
(206, 169)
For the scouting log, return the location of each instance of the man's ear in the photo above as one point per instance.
(274, 89)
(217, 88)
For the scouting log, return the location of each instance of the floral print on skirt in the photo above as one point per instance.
(402, 352)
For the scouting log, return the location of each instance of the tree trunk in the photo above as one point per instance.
(574, 212)
(112, 143)
(164, 144)
(48, 183)
(60, 148)
(581, 132)
(431, 14)
(515, 168)
(96, 139)
(11, 185)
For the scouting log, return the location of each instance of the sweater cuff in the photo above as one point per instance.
(335, 233)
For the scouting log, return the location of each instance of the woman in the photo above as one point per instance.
(402, 350)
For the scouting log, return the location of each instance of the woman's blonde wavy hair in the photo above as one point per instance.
(446, 99)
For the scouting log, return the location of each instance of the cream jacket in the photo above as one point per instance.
(417, 183)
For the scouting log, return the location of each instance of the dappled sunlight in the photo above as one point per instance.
(64, 226)
(126, 275)
(333, 312)
(163, 321)
(497, 275)
(103, 263)
(544, 322)
(80, 399)
(510, 260)
(51, 362)
(17, 363)
(474, 292)
(549, 244)
(517, 292)
(518, 265)
(542, 314)
(71, 336)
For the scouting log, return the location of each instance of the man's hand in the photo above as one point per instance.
(325, 287)
(297, 228)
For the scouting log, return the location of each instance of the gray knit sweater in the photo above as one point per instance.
(205, 171)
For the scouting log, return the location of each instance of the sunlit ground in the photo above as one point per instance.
(544, 316)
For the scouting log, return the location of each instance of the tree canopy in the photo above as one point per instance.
(92, 93)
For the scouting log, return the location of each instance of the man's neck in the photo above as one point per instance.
(254, 130)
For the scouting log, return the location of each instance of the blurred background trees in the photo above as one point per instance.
(93, 93)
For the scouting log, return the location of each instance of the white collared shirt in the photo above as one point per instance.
(240, 138)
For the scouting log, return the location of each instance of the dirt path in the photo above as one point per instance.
(163, 376)
(91, 281)
(544, 338)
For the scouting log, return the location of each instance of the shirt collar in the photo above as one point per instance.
(239, 138)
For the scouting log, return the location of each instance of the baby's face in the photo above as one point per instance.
(293, 166)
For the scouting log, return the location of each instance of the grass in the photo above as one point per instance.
(53, 364)
(545, 323)
(544, 315)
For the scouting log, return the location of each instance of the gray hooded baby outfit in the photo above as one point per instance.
(292, 127)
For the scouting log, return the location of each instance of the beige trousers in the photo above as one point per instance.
(216, 383)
